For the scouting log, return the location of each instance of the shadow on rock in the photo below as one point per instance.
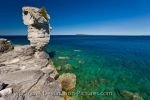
(52, 54)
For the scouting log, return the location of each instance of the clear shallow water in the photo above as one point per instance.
(104, 63)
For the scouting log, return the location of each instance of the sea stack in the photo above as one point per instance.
(26, 71)
(37, 21)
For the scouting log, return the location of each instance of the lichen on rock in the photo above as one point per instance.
(43, 12)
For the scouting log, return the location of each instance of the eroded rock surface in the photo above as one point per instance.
(32, 85)
(30, 74)
(27, 71)
(37, 21)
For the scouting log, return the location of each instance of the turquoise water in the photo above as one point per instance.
(102, 64)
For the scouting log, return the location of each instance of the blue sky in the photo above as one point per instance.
(94, 17)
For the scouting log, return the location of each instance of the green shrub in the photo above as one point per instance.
(43, 12)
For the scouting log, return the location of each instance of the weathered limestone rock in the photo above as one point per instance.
(25, 50)
(27, 70)
(6, 92)
(5, 45)
(41, 55)
(68, 81)
(32, 85)
(38, 26)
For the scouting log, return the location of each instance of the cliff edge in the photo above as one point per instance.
(26, 72)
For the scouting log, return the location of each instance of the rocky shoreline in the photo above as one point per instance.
(27, 72)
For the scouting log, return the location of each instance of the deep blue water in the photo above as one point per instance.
(104, 63)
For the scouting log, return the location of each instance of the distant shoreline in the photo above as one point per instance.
(89, 35)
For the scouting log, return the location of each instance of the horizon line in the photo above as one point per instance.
(81, 35)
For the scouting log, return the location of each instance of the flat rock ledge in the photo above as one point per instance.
(27, 74)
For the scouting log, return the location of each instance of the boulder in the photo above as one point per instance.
(5, 46)
(68, 81)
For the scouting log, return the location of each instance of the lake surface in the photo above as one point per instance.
(102, 64)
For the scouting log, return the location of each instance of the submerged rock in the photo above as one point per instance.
(77, 50)
(81, 61)
(68, 67)
(63, 58)
(67, 98)
(59, 68)
(130, 95)
(68, 81)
